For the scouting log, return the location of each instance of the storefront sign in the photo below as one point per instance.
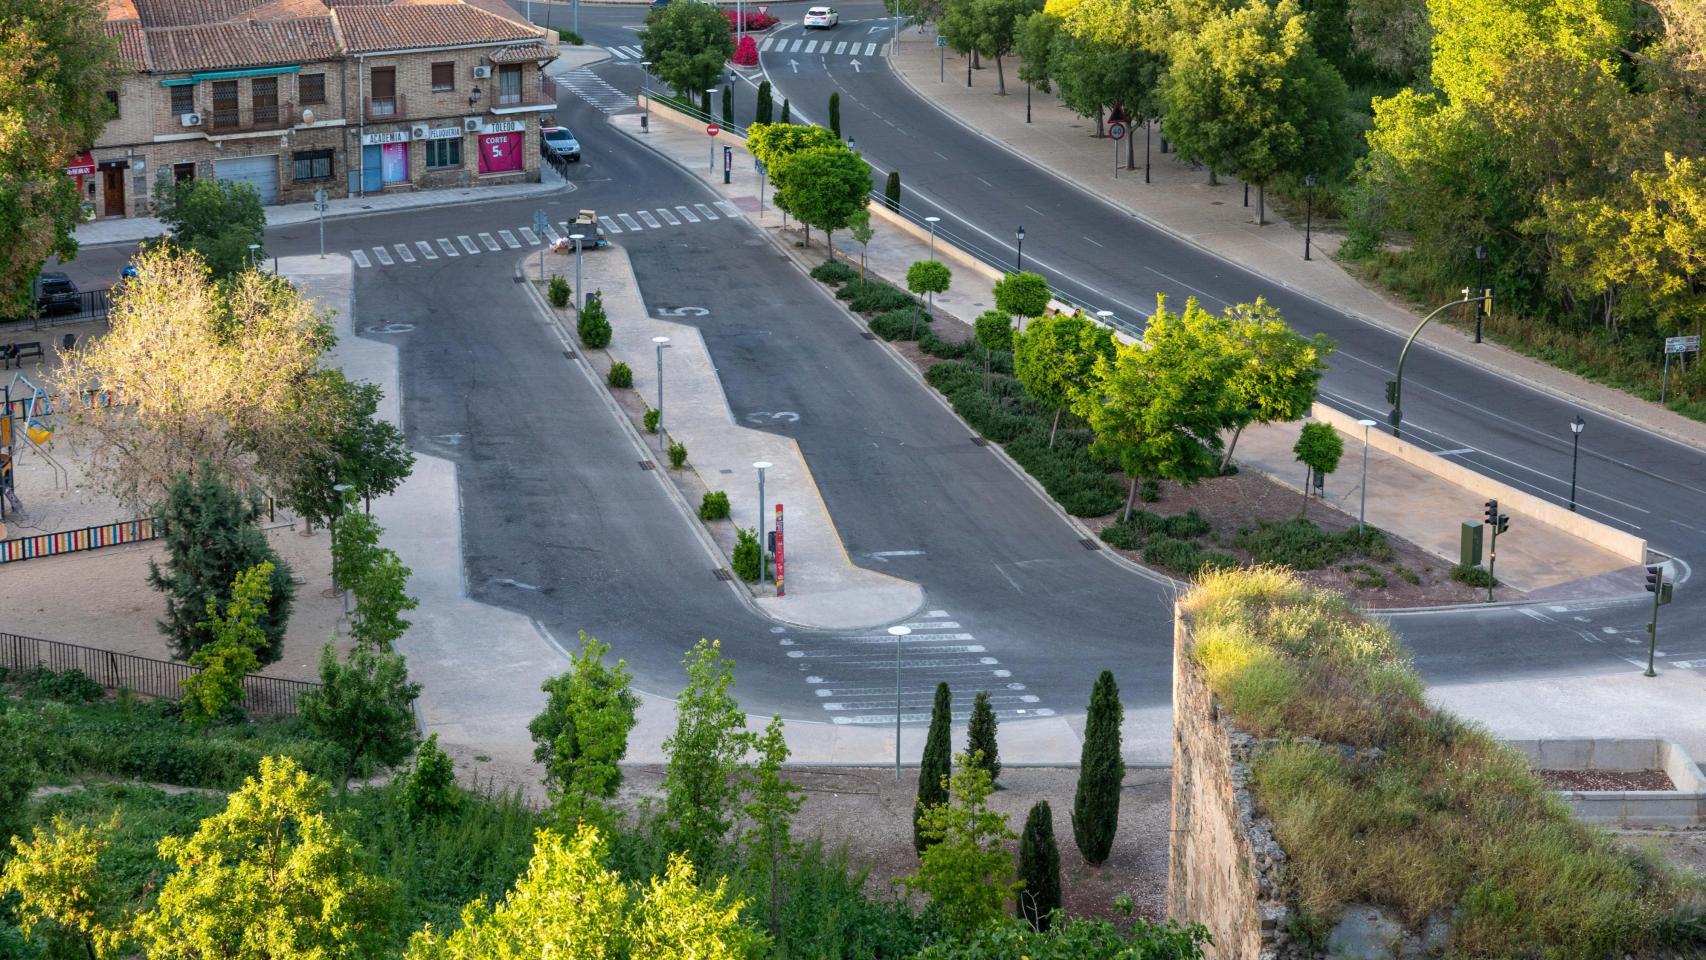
(444, 133)
(378, 139)
(500, 153)
(81, 165)
(504, 126)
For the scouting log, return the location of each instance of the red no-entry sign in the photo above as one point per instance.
(712, 129)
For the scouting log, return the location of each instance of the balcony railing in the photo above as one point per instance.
(544, 96)
(386, 108)
(271, 116)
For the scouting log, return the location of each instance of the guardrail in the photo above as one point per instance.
(262, 696)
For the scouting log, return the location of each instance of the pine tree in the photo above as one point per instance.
(766, 104)
(835, 115)
(980, 736)
(785, 111)
(1039, 867)
(1101, 769)
(937, 762)
(211, 536)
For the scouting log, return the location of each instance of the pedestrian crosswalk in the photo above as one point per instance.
(802, 45)
(854, 676)
(637, 221)
(595, 90)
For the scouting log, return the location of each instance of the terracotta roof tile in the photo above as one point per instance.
(131, 45)
(367, 29)
(242, 44)
(524, 53)
(121, 10)
(189, 13)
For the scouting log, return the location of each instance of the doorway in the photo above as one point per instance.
(112, 185)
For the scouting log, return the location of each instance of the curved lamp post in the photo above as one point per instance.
(1395, 387)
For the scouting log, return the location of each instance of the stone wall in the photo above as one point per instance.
(1222, 857)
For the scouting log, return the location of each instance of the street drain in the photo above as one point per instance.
(722, 573)
(569, 354)
(979, 442)
(868, 335)
(1090, 544)
(648, 465)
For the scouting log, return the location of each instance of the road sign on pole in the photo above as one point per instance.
(320, 208)
(1682, 344)
(712, 129)
(1116, 132)
(540, 222)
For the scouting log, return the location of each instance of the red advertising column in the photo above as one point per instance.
(779, 590)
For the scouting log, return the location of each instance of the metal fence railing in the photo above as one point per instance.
(99, 535)
(262, 696)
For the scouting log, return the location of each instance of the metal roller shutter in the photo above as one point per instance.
(259, 172)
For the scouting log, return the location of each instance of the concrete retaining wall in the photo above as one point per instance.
(1684, 806)
(1625, 545)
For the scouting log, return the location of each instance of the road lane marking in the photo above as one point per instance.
(404, 253)
(467, 244)
(704, 211)
(509, 240)
(1092, 241)
(551, 234)
(490, 242)
(689, 214)
(650, 220)
(609, 225)
(447, 247)
(728, 208)
(839, 48)
(630, 222)
(528, 235)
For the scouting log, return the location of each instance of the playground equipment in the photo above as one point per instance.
(37, 431)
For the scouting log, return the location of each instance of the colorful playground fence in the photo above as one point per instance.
(18, 408)
(262, 696)
(95, 537)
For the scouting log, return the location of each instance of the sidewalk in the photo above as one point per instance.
(1181, 202)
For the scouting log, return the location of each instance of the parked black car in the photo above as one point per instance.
(55, 293)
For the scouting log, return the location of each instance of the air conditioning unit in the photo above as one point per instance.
(471, 125)
(418, 131)
(482, 72)
(190, 119)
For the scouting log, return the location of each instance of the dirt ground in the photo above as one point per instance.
(1607, 780)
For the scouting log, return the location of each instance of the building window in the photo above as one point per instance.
(443, 153)
(112, 98)
(313, 165)
(509, 84)
(382, 92)
(311, 87)
(225, 112)
(183, 171)
(443, 76)
(183, 99)
(263, 100)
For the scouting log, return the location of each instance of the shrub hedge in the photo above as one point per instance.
(714, 505)
(898, 324)
(1302, 545)
(621, 375)
(833, 272)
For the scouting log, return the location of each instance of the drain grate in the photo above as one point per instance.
(568, 354)
(722, 573)
(1089, 544)
(979, 442)
(518, 278)
(868, 335)
(648, 465)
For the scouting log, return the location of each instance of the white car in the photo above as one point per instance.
(821, 17)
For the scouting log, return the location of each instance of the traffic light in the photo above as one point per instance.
(1392, 392)
(1492, 514)
(1504, 522)
(1655, 578)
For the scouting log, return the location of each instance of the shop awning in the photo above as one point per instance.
(81, 165)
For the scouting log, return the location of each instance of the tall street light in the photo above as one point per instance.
(898, 633)
(1019, 254)
(761, 465)
(662, 344)
(1480, 263)
(254, 254)
(1395, 387)
(1362, 511)
(1309, 213)
(580, 301)
(932, 221)
(1576, 426)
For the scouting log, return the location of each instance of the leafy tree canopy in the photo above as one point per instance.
(687, 44)
(217, 219)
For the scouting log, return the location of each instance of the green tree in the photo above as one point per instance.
(835, 115)
(59, 62)
(1024, 295)
(824, 187)
(785, 118)
(700, 788)
(993, 331)
(1392, 35)
(570, 905)
(1101, 771)
(218, 219)
(687, 44)
(362, 709)
(211, 536)
(891, 190)
(1039, 868)
(728, 106)
(766, 110)
(1055, 359)
(1034, 42)
(772, 802)
(966, 869)
(1248, 95)
(18, 774)
(926, 278)
(993, 28)
(355, 447)
(582, 735)
(774, 143)
(933, 768)
(63, 893)
(980, 736)
(270, 876)
(1318, 448)
(1277, 371)
(862, 233)
(381, 599)
(430, 791)
(217, 690)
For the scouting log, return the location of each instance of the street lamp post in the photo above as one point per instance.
(1480, 262)
(580, 301)
(1309, 213)
(761, 465)
(1106, 316)
(662, 344)
(1395, 387)
(1019, 253)
(932, 221)
(1576, 426)
(898, 633)
(1362, 511)
(254, 254)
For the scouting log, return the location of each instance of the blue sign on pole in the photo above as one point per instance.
(941, 41)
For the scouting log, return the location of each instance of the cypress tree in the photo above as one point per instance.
(785, 111)
(728, 107)
(211, 536)
(980, 736)
(705, 103)
(1096, 806)
(1039, 867)
(891, 190)
(766, 103)
(835, 115)
(937, 762)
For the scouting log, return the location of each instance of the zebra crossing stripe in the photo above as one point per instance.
(884, 49)
(426, 249)
(633, 52)
(728, 208)
(630, 222)
(449, 250)
(811, 46)
(491, 242)
(403, 252)
(796, 47)
(766, 44)
(841, 47)
(384, 256)
(870, 49)
(509, 240)
(551, 234)
(650, 220)
(467, 244)
(688, 214)
(704, 211)
(609, 225)
(668, 217)
(360, 258)
(528, 235)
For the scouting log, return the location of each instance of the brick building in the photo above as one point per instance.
(293, 96)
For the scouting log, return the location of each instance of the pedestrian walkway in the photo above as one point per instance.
(1179, 199)
(807, 46)
(594, 89)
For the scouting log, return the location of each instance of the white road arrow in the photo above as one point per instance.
(855, 65)
(873, 29)
(795, 64)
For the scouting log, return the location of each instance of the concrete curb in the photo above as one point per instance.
(1449, 348)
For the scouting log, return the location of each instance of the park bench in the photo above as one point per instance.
(19, 352)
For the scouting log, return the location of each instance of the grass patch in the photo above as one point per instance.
(1472, 575)
(1301, 545)
(1364, 577)
(899, 324)
(1423, 813)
